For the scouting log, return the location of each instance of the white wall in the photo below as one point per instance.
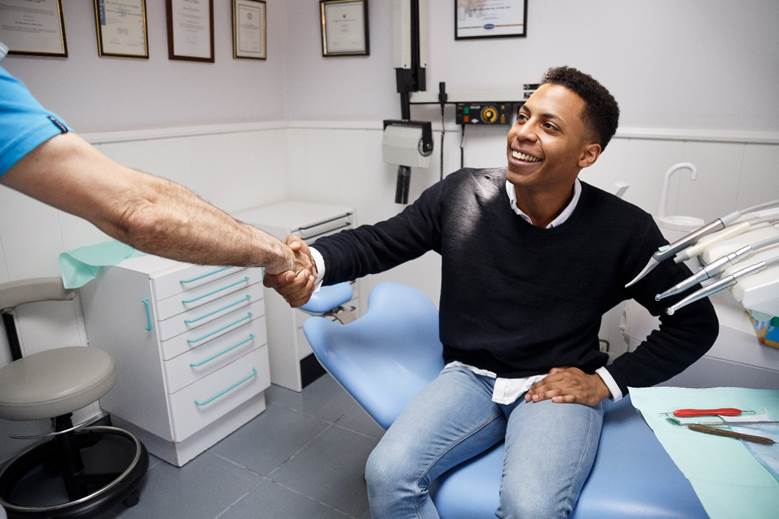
(670, 64)
(108, 94)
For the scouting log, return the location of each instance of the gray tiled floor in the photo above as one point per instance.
(301, 458)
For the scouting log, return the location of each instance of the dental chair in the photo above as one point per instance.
(384, 358)
(75, 470)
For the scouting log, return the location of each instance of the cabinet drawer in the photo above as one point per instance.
(217, 330)
(199, 362)
(194, 320)
(208, 293)
(210, 398)
(183, 280)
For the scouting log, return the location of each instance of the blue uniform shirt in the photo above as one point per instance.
(24, 123)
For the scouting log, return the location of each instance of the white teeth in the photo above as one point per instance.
(522, 156)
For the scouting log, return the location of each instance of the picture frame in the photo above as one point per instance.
(190, 30)
(479, 19)
(121, 28)
(49, 37)
(250, 29)
(344, 28)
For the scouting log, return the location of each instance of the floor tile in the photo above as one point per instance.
(330, 469)
(356, 419)
(270, 439)
(272, 501)
(201, 489)
(313, 401)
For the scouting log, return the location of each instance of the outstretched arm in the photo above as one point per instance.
(150, 213)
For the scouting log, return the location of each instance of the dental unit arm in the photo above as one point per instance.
(729, 232)
(718, 266)
(668, 251)
(723, 283)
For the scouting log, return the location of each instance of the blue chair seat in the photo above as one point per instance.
(384, 358)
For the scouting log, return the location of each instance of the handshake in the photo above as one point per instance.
(296, 283)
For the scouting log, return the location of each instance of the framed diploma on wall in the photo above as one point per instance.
(250, 30)
(33, 27)
(191, 30)
(344, 27)
(122, 30)
(475, 19)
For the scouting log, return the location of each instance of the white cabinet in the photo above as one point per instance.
(292, 364)
(190, 348)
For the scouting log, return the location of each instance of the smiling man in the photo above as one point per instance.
(531, 259)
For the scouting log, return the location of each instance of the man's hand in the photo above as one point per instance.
(569, 385)
(295, 285)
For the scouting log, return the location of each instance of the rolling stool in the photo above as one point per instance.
(75, 471)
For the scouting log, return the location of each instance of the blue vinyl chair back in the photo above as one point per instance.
(384, 358)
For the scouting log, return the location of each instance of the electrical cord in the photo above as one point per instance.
(462, 150)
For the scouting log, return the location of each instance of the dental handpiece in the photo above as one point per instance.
(729, 232)
(666, 251)
(717, 266)
(722, 284)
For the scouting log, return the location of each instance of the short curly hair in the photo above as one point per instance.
(601, 112)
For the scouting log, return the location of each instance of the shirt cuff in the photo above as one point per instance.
(319, 261)
(616, 392)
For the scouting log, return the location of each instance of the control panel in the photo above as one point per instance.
(489, 113)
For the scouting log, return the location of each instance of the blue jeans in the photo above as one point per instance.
(550, 449)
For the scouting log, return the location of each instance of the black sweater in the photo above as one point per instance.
(519, 300)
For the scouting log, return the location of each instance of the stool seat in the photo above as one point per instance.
(54, 382)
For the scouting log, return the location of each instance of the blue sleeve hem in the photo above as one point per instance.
(16, 150)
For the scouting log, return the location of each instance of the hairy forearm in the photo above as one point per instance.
(168, 219)
(150, 213)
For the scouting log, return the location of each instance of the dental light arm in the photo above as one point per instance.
(667, 251)
(722, 284)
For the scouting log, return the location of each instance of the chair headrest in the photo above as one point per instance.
(33, 290)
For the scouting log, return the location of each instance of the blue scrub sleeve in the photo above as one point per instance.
(24, 123)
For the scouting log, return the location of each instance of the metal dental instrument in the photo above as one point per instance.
(722, 284)
(666, 251)
(734, 230)
(717, 266)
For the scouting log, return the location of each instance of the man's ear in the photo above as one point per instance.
(589, 155)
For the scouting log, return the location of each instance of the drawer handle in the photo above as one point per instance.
(241, 281)
(147, 311)
(203, 276)
(231, 387)
(199, 363)
(243, 300)
(235, 324)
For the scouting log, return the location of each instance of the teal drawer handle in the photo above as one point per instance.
(243, 300)
(147, 310)
(237, 324)
(201, 403)
(203, 276)
(241, 281)
(199, 363)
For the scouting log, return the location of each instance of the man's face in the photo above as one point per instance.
(550, 141)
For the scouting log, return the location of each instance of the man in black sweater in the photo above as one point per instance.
(531, 259)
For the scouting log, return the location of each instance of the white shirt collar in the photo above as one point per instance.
(562, 217)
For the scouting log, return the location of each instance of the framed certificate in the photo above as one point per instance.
(250, 34)
(121, 28)
(33, 27)
(344, 27)
(490, 19)
(191, 30)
